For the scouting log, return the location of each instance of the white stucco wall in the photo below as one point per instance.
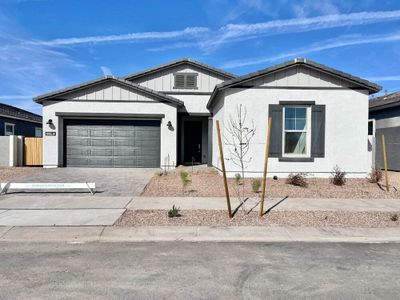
(346, 137)
(53, 145)
(196, 104)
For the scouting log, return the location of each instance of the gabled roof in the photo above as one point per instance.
(386, 101)
(17, 113)
(178, 62)
(370, 86)
(56, 94)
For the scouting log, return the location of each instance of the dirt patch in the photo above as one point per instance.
(7, 174)
(208, 183)
(291, 218)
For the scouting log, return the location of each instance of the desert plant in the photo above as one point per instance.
(298, 179)
(338, 176)
(174, 212)
(375, 176)
(185, 180)
(238, 135)
(394, 217)
(238, 179)
(255, 185)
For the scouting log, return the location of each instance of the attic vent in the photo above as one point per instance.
(185, 81)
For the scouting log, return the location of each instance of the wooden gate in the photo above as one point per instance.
(33, 151)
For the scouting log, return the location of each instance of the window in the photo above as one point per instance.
(371, 127)
(9, 128)
(185, 81)
(38, 132)
(296, 131)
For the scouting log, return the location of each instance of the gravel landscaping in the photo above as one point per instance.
(207, 182)
(291, 218)
(8, 173)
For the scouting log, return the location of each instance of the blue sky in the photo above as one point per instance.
(51, 44)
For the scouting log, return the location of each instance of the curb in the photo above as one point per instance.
(83, 234)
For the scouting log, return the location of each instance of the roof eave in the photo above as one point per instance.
(52, 95)
(178, 62)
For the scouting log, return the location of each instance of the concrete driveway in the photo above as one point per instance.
(109, 182)
(115, 190)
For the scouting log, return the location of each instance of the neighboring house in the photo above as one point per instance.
(165, 116)
(16, 121)
(384, 114)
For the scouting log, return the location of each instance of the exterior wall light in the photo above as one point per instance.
(50, 122)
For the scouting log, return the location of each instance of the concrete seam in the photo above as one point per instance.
(6, 232)
(129, 202)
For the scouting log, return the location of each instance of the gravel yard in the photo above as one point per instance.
(208, 183)
(15, 172)
(291, 218)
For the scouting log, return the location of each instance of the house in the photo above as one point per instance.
(165, 116)
(16, 121)
(384, 114)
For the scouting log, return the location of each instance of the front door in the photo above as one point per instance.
(192, 142)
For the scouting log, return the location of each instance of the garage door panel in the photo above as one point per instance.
(100, 143)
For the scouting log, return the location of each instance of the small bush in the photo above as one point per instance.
(255, 185)
(298, 179)
(375, 176)
(184, 179)
(174, 212)
(338, 176)
(238, 179)
(394, 217)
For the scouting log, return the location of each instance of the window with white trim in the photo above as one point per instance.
(296, 131)
(9, 129)
(38, 132)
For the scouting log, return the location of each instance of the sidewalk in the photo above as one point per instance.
(302, 204)
(199, 233)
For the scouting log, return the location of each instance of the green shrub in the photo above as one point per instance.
(174, 212)
(238, 179)
(394, 217)
(338, 176)
(185, 179)
(255, 185)
(298, 179)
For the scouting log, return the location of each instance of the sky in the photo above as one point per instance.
(47, 45)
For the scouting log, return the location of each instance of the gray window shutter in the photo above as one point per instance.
(318, 131)
(275, 147)
(191, 81)
(179, 81)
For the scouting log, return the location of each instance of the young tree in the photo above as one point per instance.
(238, 134)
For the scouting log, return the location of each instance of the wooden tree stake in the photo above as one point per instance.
(385, 162)
(221, 154)
(265, 166)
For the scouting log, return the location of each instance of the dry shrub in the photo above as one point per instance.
(338, 176)
(299, 179)
(375, 176)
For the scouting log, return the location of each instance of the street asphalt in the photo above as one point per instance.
(182, 270)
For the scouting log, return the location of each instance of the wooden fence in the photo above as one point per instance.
(33, 151)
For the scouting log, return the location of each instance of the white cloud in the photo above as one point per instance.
(129, 37)
(317, 47)
(238, 32)
(106, 70)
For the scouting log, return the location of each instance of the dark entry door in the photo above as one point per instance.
(192, 142)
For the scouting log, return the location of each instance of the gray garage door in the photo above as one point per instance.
(392, 140)
(110, 143)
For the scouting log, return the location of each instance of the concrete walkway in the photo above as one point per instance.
(303, 204)
(198, 233)
(61, 210)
